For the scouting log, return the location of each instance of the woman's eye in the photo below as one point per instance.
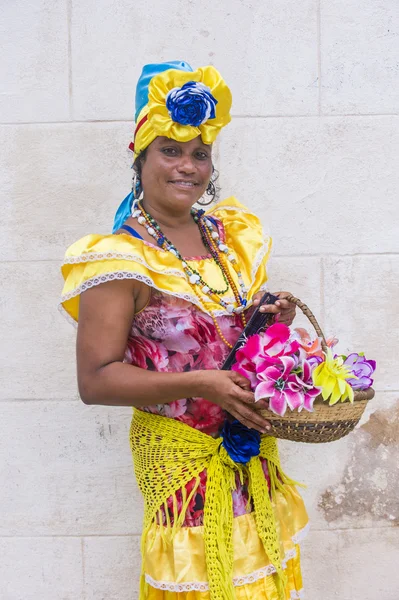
(170, 151)
(202, 155)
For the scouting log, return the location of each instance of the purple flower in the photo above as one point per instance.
(361, 369)
(191, 104)
(310, 391)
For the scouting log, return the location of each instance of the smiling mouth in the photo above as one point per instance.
(184, 184)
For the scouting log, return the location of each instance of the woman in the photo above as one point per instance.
(160, 303)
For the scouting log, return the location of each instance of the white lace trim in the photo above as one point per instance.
(297, 594)
(203, 586)
(97, 280)
(263, 250)
(96, 256)
(192, 586)
(301, 534)
(148, 281)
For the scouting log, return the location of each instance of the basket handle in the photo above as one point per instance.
(308, 313)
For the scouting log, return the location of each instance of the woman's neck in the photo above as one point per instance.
(167, 217)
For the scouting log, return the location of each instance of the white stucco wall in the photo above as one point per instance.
(313, 147)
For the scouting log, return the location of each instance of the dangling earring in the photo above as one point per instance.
(136, 185)
(210, 190)
(137, 191)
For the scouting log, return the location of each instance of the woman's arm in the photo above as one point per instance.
(106, 314)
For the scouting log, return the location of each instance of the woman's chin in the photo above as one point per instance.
(189, 195)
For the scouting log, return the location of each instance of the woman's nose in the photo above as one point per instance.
(186, 165)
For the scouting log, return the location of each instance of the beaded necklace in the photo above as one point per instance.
(220, 254)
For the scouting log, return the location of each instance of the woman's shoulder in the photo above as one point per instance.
(239, 223)
(95, 259)
(230, 211)
(96, 244)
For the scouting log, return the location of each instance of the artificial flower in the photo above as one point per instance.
(310, 392)
(240, 442)
(188, 105)
(332, 377)
(264, 349)
(281, 386)
(361, 368)
(191, 104)
(309, 346)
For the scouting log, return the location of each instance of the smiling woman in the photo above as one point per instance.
(172, 170)
(159, 303)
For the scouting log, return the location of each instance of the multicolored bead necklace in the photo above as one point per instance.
(219, 252)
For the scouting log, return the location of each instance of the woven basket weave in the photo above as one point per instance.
(326, 423)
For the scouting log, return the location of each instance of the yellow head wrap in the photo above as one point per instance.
(183, 104)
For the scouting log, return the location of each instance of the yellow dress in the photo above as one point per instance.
(241, 538)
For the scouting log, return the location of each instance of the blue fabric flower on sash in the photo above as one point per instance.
(240, 442)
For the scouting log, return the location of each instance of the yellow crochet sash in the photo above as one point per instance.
(168, 454)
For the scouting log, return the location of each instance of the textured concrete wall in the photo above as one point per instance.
(313, 147)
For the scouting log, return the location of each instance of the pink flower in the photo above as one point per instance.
(246, 367)
(211, 356)
(175, 409)
(281, 386)
(146, 354)
(203, 415)
(264, 349)
(309, 346)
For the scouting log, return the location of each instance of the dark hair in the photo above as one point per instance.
(138, 163)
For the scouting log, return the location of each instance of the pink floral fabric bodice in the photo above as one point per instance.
(173, 335)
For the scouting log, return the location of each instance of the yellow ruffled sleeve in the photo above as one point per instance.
(97, 259)
(245, 235)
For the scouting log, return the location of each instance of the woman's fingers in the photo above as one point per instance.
(245, 405)
(270, 308)
(242, 381)
(257, 298)
(261, 405)
(250, 418)
(283, 309)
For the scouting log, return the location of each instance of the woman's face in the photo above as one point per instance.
(176, 174)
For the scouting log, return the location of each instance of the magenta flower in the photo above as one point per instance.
(267, 346)
(245, 366)
(361, 369)
(280, 385)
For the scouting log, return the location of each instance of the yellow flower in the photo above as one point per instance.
(158, 114)
(331, 377)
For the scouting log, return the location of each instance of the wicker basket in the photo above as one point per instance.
(326, 423)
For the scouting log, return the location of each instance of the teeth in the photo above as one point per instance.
(185, 183)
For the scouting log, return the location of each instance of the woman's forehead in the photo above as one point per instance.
(194, 142)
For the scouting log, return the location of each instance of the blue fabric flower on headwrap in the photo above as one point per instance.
(240, 442)
(191, 104)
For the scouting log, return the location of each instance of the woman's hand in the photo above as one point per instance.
(232, 392)
(284, 310)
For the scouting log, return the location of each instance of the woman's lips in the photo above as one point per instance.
(185, 185)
